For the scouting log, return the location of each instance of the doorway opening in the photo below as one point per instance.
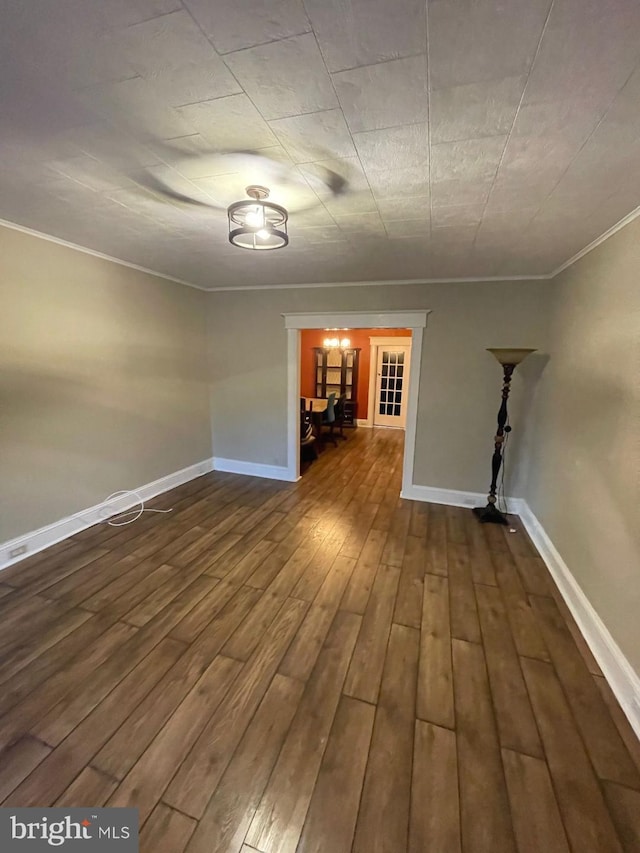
(401, 384)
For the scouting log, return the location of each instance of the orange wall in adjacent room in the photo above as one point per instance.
(310, 338)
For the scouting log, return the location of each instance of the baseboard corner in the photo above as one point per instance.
(452, 497)
(253, 469)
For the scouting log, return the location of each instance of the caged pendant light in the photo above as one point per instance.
(256, 223)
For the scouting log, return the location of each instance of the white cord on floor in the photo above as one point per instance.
(136, 512)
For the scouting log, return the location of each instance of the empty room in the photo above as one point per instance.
(320, 426)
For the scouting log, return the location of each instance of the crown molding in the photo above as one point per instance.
(14, 226)
(626, 220)
(382, 283)
(598, 241)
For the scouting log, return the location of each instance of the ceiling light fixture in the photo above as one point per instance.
(332, 343)
(257, 223)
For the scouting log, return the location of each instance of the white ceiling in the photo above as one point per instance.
(477, 137)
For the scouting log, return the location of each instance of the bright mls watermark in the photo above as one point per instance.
(79, 830)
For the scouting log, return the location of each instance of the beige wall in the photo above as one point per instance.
(584, 483)
(102, 380)
(460, 386)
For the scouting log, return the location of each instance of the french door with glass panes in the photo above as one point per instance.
(392, 386)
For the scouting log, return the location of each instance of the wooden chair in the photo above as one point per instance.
(339, 413)
(329, 419)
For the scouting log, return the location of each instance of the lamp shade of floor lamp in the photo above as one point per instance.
(509, 359)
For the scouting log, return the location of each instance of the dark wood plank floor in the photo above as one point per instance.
(319, 667)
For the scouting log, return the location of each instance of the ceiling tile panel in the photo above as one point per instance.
(394, 183)
(194, 157)
(105, 142)
(536, 159)
(31, 113)
(66, 189)
(465, 215)
(229, 123)
(416, 207)
(165, 180)
(611, 153)
(384, 95)
(121, 13)
(467, 159)
(445, 264)
(321, 234)
(360, 223)
(351, 203)
(316, 215)
(285, 78)
(70, 39)
(589, 47)
(192, 144)
(140, 200)
(341, 185)
(233, 25)
(363, 32)
(524, 190)
(457, 192)
(172, 53)
(164, 44)
(483, 39)
(415, 228)
(614, 208)
(497, 221)
(396, 147)
(480, 109)
(133, 104)
(453, 235)
(90, 172)
(193, 82)
(345, 174)
(571, 119)
(225, 189)
(315, 136)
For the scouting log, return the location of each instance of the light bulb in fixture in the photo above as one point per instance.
(255, 218)
(344, 343)
(263, 234)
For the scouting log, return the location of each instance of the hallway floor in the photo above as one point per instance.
(318, 667)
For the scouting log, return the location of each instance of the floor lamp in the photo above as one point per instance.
(509, 359)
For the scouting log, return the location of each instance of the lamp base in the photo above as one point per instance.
(490, 514)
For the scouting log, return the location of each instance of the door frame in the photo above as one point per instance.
(416, 320)
(376, 343)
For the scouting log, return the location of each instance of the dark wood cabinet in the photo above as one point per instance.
(336, 371)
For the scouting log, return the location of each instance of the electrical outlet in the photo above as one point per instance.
(16, 552)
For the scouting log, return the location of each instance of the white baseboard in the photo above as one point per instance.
(451, 497)
(38, 540)
(622, 678)
(363, 422)
(253, 469)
